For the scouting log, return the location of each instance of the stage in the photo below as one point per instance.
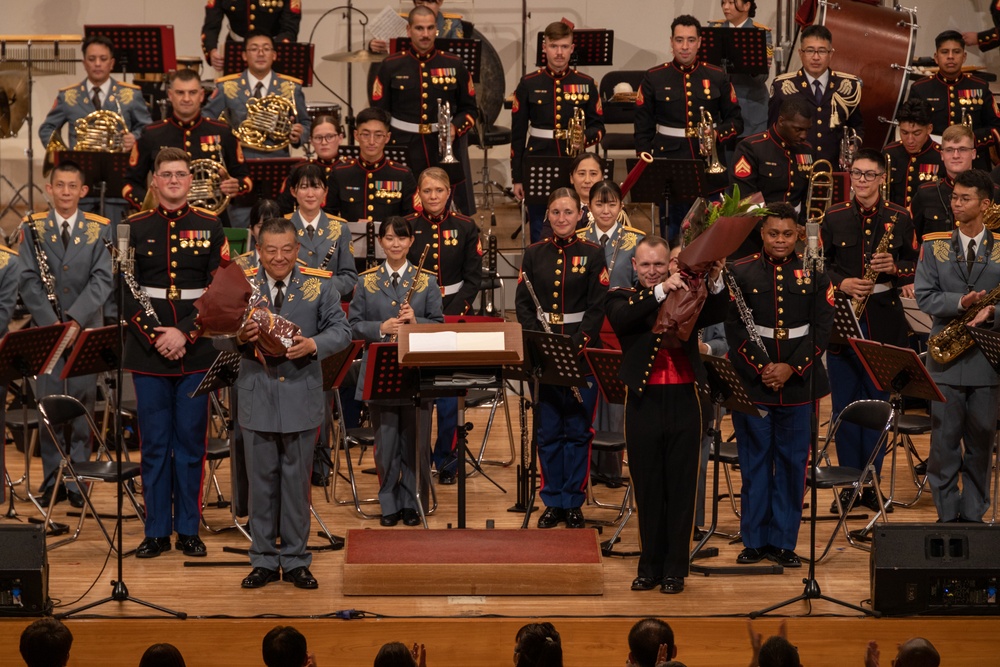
(226, 623)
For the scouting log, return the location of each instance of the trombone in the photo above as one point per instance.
(820, 191)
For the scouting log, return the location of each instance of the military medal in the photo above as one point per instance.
(708, 87)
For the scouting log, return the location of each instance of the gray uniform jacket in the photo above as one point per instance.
(313, 251)
(620, 247)
(76, 102)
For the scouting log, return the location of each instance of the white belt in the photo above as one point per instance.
(451, 289)
(541, 134)
(881, 287)
(173, 293)
(563, 318)
(415, 128)
(233, 36)
(782, 334)
(671, 131)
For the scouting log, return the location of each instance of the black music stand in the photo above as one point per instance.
(469, 50)
(25, 354)
(544, 174)
(103, 173)
(989, 344)
(667, 180)
(593, 47)
(291, 58)
(549, 358)
(394, 153)
(726, 390)
(267, 176)
(140, 49)
(735, 50)
(845, 322)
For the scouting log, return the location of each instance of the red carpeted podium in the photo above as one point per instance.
(473, 562)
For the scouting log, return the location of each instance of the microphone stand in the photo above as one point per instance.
(813, 264)
(122, 261)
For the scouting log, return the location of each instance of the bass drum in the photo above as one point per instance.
(490, 87)
(880, 41)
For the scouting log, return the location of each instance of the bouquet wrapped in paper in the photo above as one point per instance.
(711, 231)
(231, 301)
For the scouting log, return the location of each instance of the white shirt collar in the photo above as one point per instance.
(611, 232)
(105, 90)
(824, 80)
(314, 223)
(271, 281)
(266, 81)
(965, 240)
(71, 219)
(402, 270)
(746, 24)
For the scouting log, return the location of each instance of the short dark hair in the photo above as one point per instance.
(162, 655)
(538, 645)
(645, 638)
(795, 105)
(978, 179)
(256, 33)
(171, 154)
(605, 191)
(276, 226)
(399, 225)
(419, 10)
(780, 210)
(308, 173)
(870, 154)
(778, 652)
(914, 111)
(557, 30)
(948, 36)
(583, 157)
(46, 643)
(263, 209)
(283, 646)
(686, 20)
(559, 193)
(66, 166)
(103, 40)
(185, 75)
(394, 654)
(917, 652)
(374, 113)
(817, 31)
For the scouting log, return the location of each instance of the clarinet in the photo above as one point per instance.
(540, 314)
(329, 255)
(491, 257)
(45, 271)
(746, 315)
(370, 261)
(413, 287)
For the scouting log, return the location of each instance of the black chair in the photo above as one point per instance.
(486, 135)
(908, 426)
(619, 113)
(56, 413)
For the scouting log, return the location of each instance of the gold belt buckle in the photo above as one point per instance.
(425, 128)
(173, 294)
(555, 318)
(781, 334)
(560, 134)
(690, 132)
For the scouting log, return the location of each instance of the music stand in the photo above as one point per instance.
(544, 174)
(267, 176)
(726, 391)
(291, 58)
(989, 344)
(735, 50)
(469, 50)
(845, 322)
(140, 49)
(667, 180)
(394, 153)
(920, 322)
(103, 173)
(592, 47)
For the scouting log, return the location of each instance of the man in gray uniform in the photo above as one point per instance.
(955, 271)
(76, 260)
(281, 405)
(10, 272)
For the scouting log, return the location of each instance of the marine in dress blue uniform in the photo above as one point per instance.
(360, 190)
(278, 18)
(10, 274)
(81, 270)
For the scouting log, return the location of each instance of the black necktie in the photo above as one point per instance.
(96, 99)
(279, 295)
(257, 89)
(604, 240)
(395, 279)
(310, 230)
(65, 234)
(818, 94)
(970, 255)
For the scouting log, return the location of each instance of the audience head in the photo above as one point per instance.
(394, 654)
(162, 655)
(778, 652)
(917, 652)
(538, 645)
(284, 646)
(46, 643)
(645, 639)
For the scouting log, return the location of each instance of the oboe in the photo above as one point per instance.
(370, 261)
(329, 255)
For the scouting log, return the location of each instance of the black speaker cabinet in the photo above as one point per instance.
(24, 571)
(935, 568)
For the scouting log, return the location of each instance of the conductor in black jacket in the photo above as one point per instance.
(662, 423)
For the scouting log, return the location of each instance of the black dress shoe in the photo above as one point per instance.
(672, 585)
(551, 517)
(319, 480)
(750, 555)
(191, 545)
(845, 498)
(447, 477)
(643, 584)
(870, 500)
(574, 518)
(389, 520)
(301, 577)
(75, 499)
(784, 557)
(151, 547)
(259, 577)
(46, 499)
(410, 517)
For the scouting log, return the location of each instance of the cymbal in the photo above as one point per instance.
(14, 102)
(362, 56)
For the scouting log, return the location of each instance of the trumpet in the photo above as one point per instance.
(820, 191)
(850, 144)
(576, 133)
(707, 144)
(967, 118)
(444, 133)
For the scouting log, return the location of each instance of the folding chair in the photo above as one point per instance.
(908, 426)
(217, 451)
(875, 415)
(56, 412)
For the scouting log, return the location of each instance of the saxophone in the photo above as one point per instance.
(444, 133)
(44, 270)
(707, 145)
(953, 341)
(858, 303)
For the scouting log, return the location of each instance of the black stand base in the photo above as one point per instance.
(119, 593)
(810, 592)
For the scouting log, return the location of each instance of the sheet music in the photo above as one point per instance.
(492, 341)
(387, 25)
(919, 321)
(439, 341)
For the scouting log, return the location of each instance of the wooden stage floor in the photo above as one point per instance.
(225, 623)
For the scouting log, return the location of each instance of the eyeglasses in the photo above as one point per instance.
(964, 199)
(260, 49)
(174, 175)
(858, 175)
(957, 150)
(369, 136)
(324, 138)
(815, 52)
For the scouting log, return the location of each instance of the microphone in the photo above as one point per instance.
(123, 238)
(814, 254)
